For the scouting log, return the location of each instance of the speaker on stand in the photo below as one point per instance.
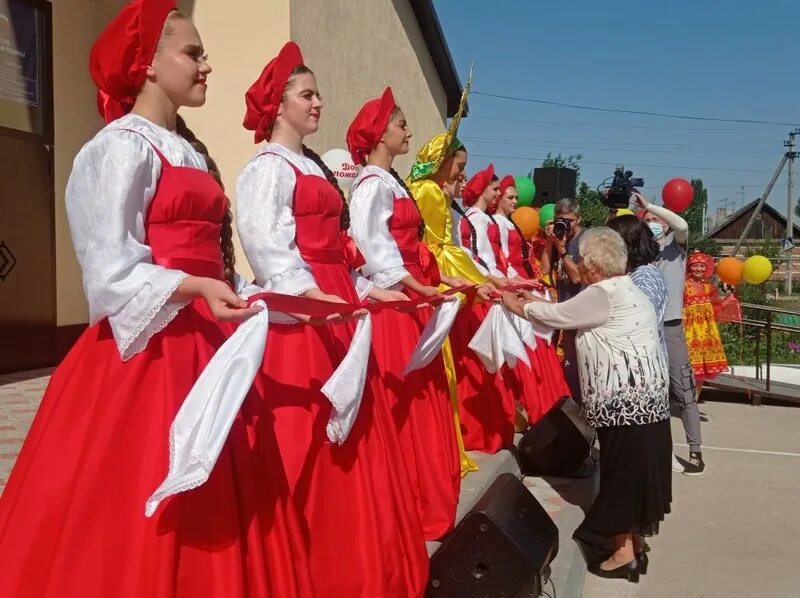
(553, 184)
(502, 548)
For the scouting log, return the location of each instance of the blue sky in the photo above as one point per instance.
(713, 58)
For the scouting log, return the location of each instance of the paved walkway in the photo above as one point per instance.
(735, 532)
(19, 399)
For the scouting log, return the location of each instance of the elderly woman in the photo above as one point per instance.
(624, 382)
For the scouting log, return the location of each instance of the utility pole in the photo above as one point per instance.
(705, 217)
(791, 155)
(761, 201)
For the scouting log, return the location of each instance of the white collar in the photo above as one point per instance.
(301, 162)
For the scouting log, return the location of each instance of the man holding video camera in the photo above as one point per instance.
(672, 233)
(560, 260)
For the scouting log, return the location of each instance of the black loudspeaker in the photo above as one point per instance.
(558, 444)
(553, 184)
(502, 547)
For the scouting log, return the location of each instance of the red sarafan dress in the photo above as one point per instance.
(545, 373)
(72, 521)
(488, 417)
(359, 514)
(385, 225)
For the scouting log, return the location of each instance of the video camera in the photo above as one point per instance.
(622, 186)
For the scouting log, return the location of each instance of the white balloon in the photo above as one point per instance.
(342, 166)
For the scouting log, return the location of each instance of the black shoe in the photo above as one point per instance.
(629, 571)
(695, 467)
(644, 561)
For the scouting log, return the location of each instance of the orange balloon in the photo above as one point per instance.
(527, 219)
(729, 270)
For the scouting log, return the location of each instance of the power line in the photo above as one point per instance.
(603, 126)
(639, 112)
(696, 168)
(557, 145)
(685, 143)
(739, 186)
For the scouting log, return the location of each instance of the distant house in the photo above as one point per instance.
(769, 224)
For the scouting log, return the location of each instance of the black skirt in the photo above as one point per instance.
(635, 483)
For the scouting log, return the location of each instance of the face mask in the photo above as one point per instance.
(657, 228)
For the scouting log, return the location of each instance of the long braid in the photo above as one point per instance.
(226, 232)
(473, 234)
(344, 223)
(402, 183)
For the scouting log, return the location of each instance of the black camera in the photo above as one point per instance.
(561, 227)
(622, 186)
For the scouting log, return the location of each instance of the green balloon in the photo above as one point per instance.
(547, 213)
(525, 189)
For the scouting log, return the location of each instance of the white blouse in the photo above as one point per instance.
(480, 220)
(266, 224)
(113, 179)
(265, 221)
(371, 207)
(505, 225)
(623, 371)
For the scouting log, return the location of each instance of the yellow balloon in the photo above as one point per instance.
(757, 269)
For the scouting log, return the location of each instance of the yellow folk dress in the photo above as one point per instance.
(474, 391)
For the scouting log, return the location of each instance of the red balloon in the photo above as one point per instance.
(677, 194)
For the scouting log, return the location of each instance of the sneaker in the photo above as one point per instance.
(696, 467)
(676, 465)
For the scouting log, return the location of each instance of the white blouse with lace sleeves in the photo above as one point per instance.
(480, 221)
(371, 207)
(588, 309)
(264, 218)
(113, 179)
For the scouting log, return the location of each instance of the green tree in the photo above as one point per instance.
(593, 212)
(694, 213)
(694, 217)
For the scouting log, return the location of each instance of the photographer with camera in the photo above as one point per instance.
(560, 260)
(560, 257)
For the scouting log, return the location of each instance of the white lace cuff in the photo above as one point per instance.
(388, 278)
(292, 282)
(132, 333)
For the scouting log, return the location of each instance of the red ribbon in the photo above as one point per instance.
(532, 285)
(317, 308)
(352, 254)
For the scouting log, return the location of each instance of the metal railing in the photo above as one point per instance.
(767, 326)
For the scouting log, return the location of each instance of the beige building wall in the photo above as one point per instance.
(351, 68)
(76, 23)
(239, 43)
(356, 49)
